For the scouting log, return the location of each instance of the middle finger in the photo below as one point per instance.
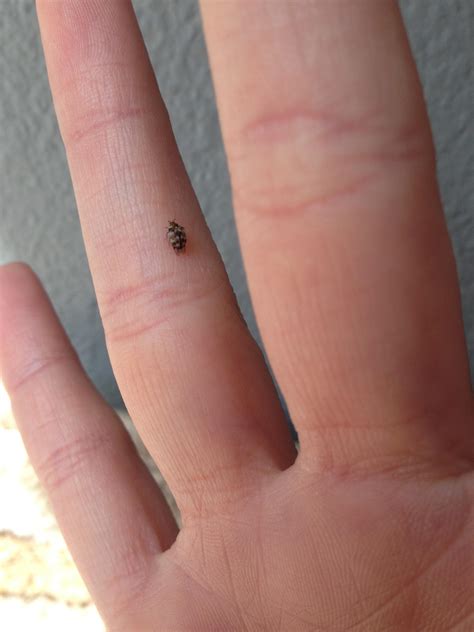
(333, 179)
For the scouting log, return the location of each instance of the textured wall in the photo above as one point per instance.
(37, 210)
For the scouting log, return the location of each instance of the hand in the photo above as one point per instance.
(354, 287)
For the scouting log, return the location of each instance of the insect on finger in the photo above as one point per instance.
(176, 236)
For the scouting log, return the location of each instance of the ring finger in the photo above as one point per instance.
(191, 376)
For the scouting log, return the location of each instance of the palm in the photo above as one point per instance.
(383, 554)
(353, 281)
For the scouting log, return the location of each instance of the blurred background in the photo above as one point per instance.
(39, 224)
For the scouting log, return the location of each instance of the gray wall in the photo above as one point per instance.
(37, 210)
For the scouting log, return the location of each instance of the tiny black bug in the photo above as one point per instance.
(176, 236)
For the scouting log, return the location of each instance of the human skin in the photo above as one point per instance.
(370, 527)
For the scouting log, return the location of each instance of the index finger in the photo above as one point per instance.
(342, 232)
